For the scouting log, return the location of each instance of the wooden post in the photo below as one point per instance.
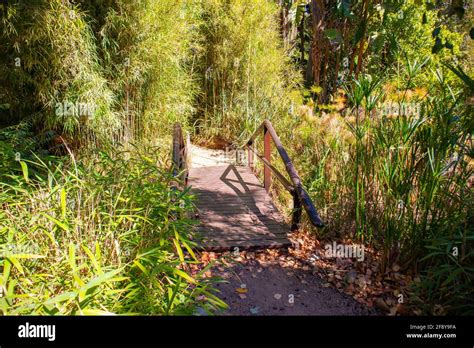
(296, 218)
(250, 157)
(176, 149)
(267, 178)
(296, 188)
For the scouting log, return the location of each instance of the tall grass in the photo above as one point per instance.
(129, 61)
(96, 236)
(147, 49)
(400, 182)
(244, 71)
(98, 230)
(49, 58)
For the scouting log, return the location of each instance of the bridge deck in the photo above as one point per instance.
(235, 210)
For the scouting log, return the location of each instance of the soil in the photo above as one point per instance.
(251, 287)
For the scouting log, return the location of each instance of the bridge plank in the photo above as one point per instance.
(234, 210)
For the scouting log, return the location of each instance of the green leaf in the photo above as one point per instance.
(28, 256)
(179, 250)
(96, 312)
(359, 33)
(93, 259)
(378, 43)
(57, 222)
(190, 251)
(72, 264)
(16, 263)
(65, 296)
(184, 275)
(24, 169)
(63, 203)
(99, 280)
(299, 14)
(6, 272)
(462, 75)
(140, 266)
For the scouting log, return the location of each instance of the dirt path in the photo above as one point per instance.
(253, 288)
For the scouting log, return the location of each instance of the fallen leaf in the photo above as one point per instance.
(241, 290)
(402, 309)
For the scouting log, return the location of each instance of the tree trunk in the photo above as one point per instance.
(301, 31)
(317, 15)
(362, 39)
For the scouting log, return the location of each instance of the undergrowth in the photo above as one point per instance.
(97, 235)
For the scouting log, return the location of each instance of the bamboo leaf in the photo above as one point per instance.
(57, 222)
(63, 203)
(184, 275)
(24, 169)
(93, 259)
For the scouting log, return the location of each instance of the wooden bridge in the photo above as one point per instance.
(234, 209)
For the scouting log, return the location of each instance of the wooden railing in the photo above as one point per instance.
(294, 186)
(180, 154)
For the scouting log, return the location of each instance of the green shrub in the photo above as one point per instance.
(98, 72)
(50, 68)
(400, 182)
(96, 236)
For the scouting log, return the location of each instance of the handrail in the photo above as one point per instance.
(180, 154)
(300, 196)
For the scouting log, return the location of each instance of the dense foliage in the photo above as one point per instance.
(373, 100)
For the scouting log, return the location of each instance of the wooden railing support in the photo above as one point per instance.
(267, 153)
(250, 157)
(301, 198)
(296, 217)
(180, 153)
